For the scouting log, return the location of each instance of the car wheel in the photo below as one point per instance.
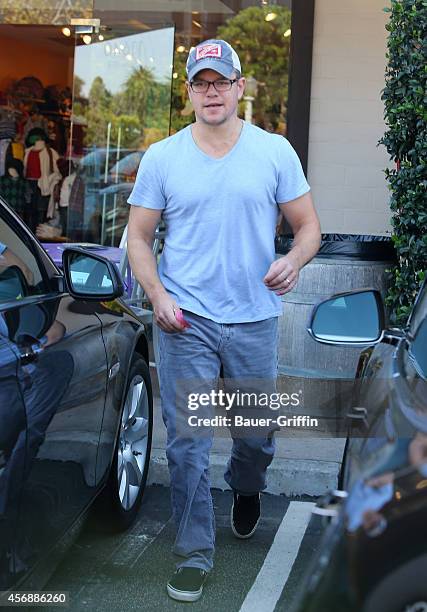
(128, 474)
(403, 590)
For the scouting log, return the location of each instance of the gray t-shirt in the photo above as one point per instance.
(220, 217)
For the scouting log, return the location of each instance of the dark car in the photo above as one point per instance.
(75, 401)
(373, 555)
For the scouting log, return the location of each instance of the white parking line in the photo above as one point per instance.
(274, 573)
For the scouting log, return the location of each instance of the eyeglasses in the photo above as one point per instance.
(220, 85)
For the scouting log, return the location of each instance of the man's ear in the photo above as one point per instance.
(241, 83)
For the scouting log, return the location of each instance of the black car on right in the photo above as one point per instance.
(373, 553)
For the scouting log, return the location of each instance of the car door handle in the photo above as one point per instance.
(113, 370)
(358, 415)
(30, 353)
(329, 504)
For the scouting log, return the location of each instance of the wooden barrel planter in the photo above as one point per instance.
(322, 375)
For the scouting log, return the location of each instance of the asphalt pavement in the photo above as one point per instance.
(129, 571)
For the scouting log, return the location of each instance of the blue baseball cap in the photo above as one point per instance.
(213, 54)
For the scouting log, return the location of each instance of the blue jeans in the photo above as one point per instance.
(245, 350)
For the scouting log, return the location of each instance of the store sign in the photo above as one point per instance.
(44, 12)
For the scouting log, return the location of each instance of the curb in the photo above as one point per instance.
(290, 477)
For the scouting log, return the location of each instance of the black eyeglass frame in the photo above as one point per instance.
(231, 81)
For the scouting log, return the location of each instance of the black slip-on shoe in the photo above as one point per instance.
(245, 514)
(187, 584)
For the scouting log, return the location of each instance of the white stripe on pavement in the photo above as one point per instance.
(274, 573)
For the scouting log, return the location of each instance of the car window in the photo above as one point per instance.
(418, 349)
(419, 311)
(20, 275)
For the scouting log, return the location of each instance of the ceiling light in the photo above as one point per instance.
(180, 48)
(66, 31)
(87, 39)
(287, 33)
(270, 16)
(129, 57)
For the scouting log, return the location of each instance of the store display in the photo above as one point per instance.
(41, 172)
(4, 148)
(61, 192)
(9, 148)
(35, 131)
(14, 188)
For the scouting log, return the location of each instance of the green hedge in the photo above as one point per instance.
(405, 113)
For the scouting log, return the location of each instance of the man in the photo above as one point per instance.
(217, 184)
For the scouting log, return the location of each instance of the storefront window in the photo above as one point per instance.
(121, 104)
(47, 12)
(79, 108)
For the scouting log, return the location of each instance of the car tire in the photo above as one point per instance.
(124, 490)
(402, 590)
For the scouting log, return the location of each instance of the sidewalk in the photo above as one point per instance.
(304, 466)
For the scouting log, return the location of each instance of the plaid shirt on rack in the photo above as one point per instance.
(15, 192)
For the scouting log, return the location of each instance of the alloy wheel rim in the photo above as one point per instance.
(133, 442)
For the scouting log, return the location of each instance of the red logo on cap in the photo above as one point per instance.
(212, 50)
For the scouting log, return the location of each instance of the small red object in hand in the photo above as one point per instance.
(180, 318)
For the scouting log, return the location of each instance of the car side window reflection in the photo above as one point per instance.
(20, 275)
(418, 349)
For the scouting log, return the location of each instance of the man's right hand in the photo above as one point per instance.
(165, 308)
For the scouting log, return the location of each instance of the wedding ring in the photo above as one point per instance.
(288, 281)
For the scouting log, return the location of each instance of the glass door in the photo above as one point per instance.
(121, 105)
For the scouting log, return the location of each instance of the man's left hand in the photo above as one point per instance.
(282, 275)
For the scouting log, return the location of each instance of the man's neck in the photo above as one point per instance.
(226, 133)
(217, 140)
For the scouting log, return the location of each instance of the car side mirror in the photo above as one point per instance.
(355, 318)
(90, 276)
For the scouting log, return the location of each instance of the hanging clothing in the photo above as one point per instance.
(33, 169)
(4, 146)
(15, 192)
(77, 197)
(48, 158)
(36, 210)
(18, 151)
(75, 229)
(61, 197)
(7, 127)
(9, 151)
(55, 180)
(65, 193)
